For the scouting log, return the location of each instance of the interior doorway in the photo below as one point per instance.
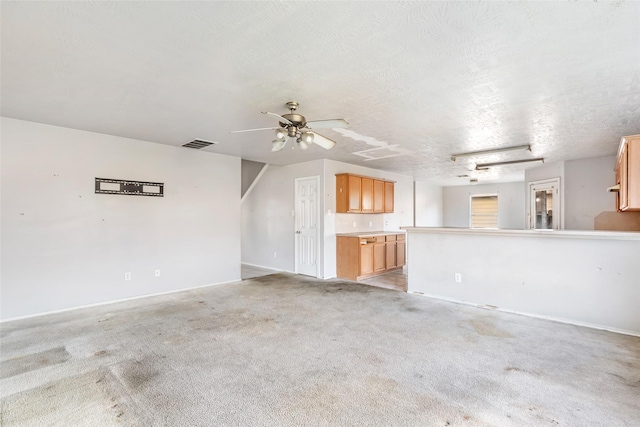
(307, 230)
(544, 204)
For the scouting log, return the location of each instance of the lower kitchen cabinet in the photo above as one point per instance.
(401, 252)
(360, 256)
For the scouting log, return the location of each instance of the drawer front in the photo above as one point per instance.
(391, 238)
(379, 239)
(401, 236)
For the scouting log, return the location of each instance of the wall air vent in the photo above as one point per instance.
(198, 144)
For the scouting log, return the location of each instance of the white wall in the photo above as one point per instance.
(585, 190)
(268, 223)
(511, 204)
(429, 209)
(64, 246)
(541, 173)
(582, 279)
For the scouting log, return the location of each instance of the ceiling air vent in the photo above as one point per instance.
(198, 144)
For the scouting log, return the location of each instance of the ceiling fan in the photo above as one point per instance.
(295, 126)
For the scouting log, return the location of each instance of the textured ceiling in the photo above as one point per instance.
(417, 81)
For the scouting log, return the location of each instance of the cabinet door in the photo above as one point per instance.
(366, 259)
(379, 255)
(633, 174)
(391, 254)
(378, 196)
(623, 192)
(354, 193)
(342, 193)
(388, 197)
(367, 194)
(401, 253)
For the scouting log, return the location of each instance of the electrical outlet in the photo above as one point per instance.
(275, 255)
(370, 223)
(355, 224)
(127, 276)
(457, 277)
(157, 273)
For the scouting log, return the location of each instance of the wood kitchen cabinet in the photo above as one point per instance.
(391, 251)
(379, 255)
(401, 250)
(389, 195)
(359, 256)
(366, 259)
(628, 174)
(362, 194)
(366, 195)
(378, 196)
(348, 193)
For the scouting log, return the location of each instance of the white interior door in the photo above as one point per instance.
(307, 230)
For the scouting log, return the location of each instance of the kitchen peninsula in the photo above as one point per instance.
(589, 278)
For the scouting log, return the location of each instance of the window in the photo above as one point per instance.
(484, 211)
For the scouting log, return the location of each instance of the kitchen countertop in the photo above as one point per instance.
(370, 233)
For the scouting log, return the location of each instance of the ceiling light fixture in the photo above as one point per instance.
(454, 157)
(485, 166)
(296, 127)
(280, 133)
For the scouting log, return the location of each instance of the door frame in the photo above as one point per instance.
(295, 222)
(546, 184)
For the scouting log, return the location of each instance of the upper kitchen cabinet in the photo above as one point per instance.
(366, 193)
(348, 193)
(378, 196)
(628, 174)
(362, 194)
(389, 189)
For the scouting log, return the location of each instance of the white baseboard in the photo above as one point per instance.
(98, 304)
(265, 267)
(537, 316)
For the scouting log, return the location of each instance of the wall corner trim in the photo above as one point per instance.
(255, 181)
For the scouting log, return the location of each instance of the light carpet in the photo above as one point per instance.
(285, 350)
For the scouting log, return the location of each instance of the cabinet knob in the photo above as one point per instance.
(298, 232)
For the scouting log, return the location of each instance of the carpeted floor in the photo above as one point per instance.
(284, 350)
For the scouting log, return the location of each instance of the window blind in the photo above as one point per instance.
(484, 211)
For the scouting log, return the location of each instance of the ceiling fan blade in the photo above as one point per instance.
(327, 124)
(322, 141)
(251, 130)
(278, 144)
(278, 116)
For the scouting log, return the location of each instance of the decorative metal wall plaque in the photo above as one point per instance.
(130, 188)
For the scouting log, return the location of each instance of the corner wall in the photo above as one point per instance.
(268, 222)
(585, 191)
(64, 246)
(429, 209)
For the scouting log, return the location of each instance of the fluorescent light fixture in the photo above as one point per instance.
(454, 157)
(484, 166)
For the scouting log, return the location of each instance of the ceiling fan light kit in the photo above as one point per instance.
(295, 126)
